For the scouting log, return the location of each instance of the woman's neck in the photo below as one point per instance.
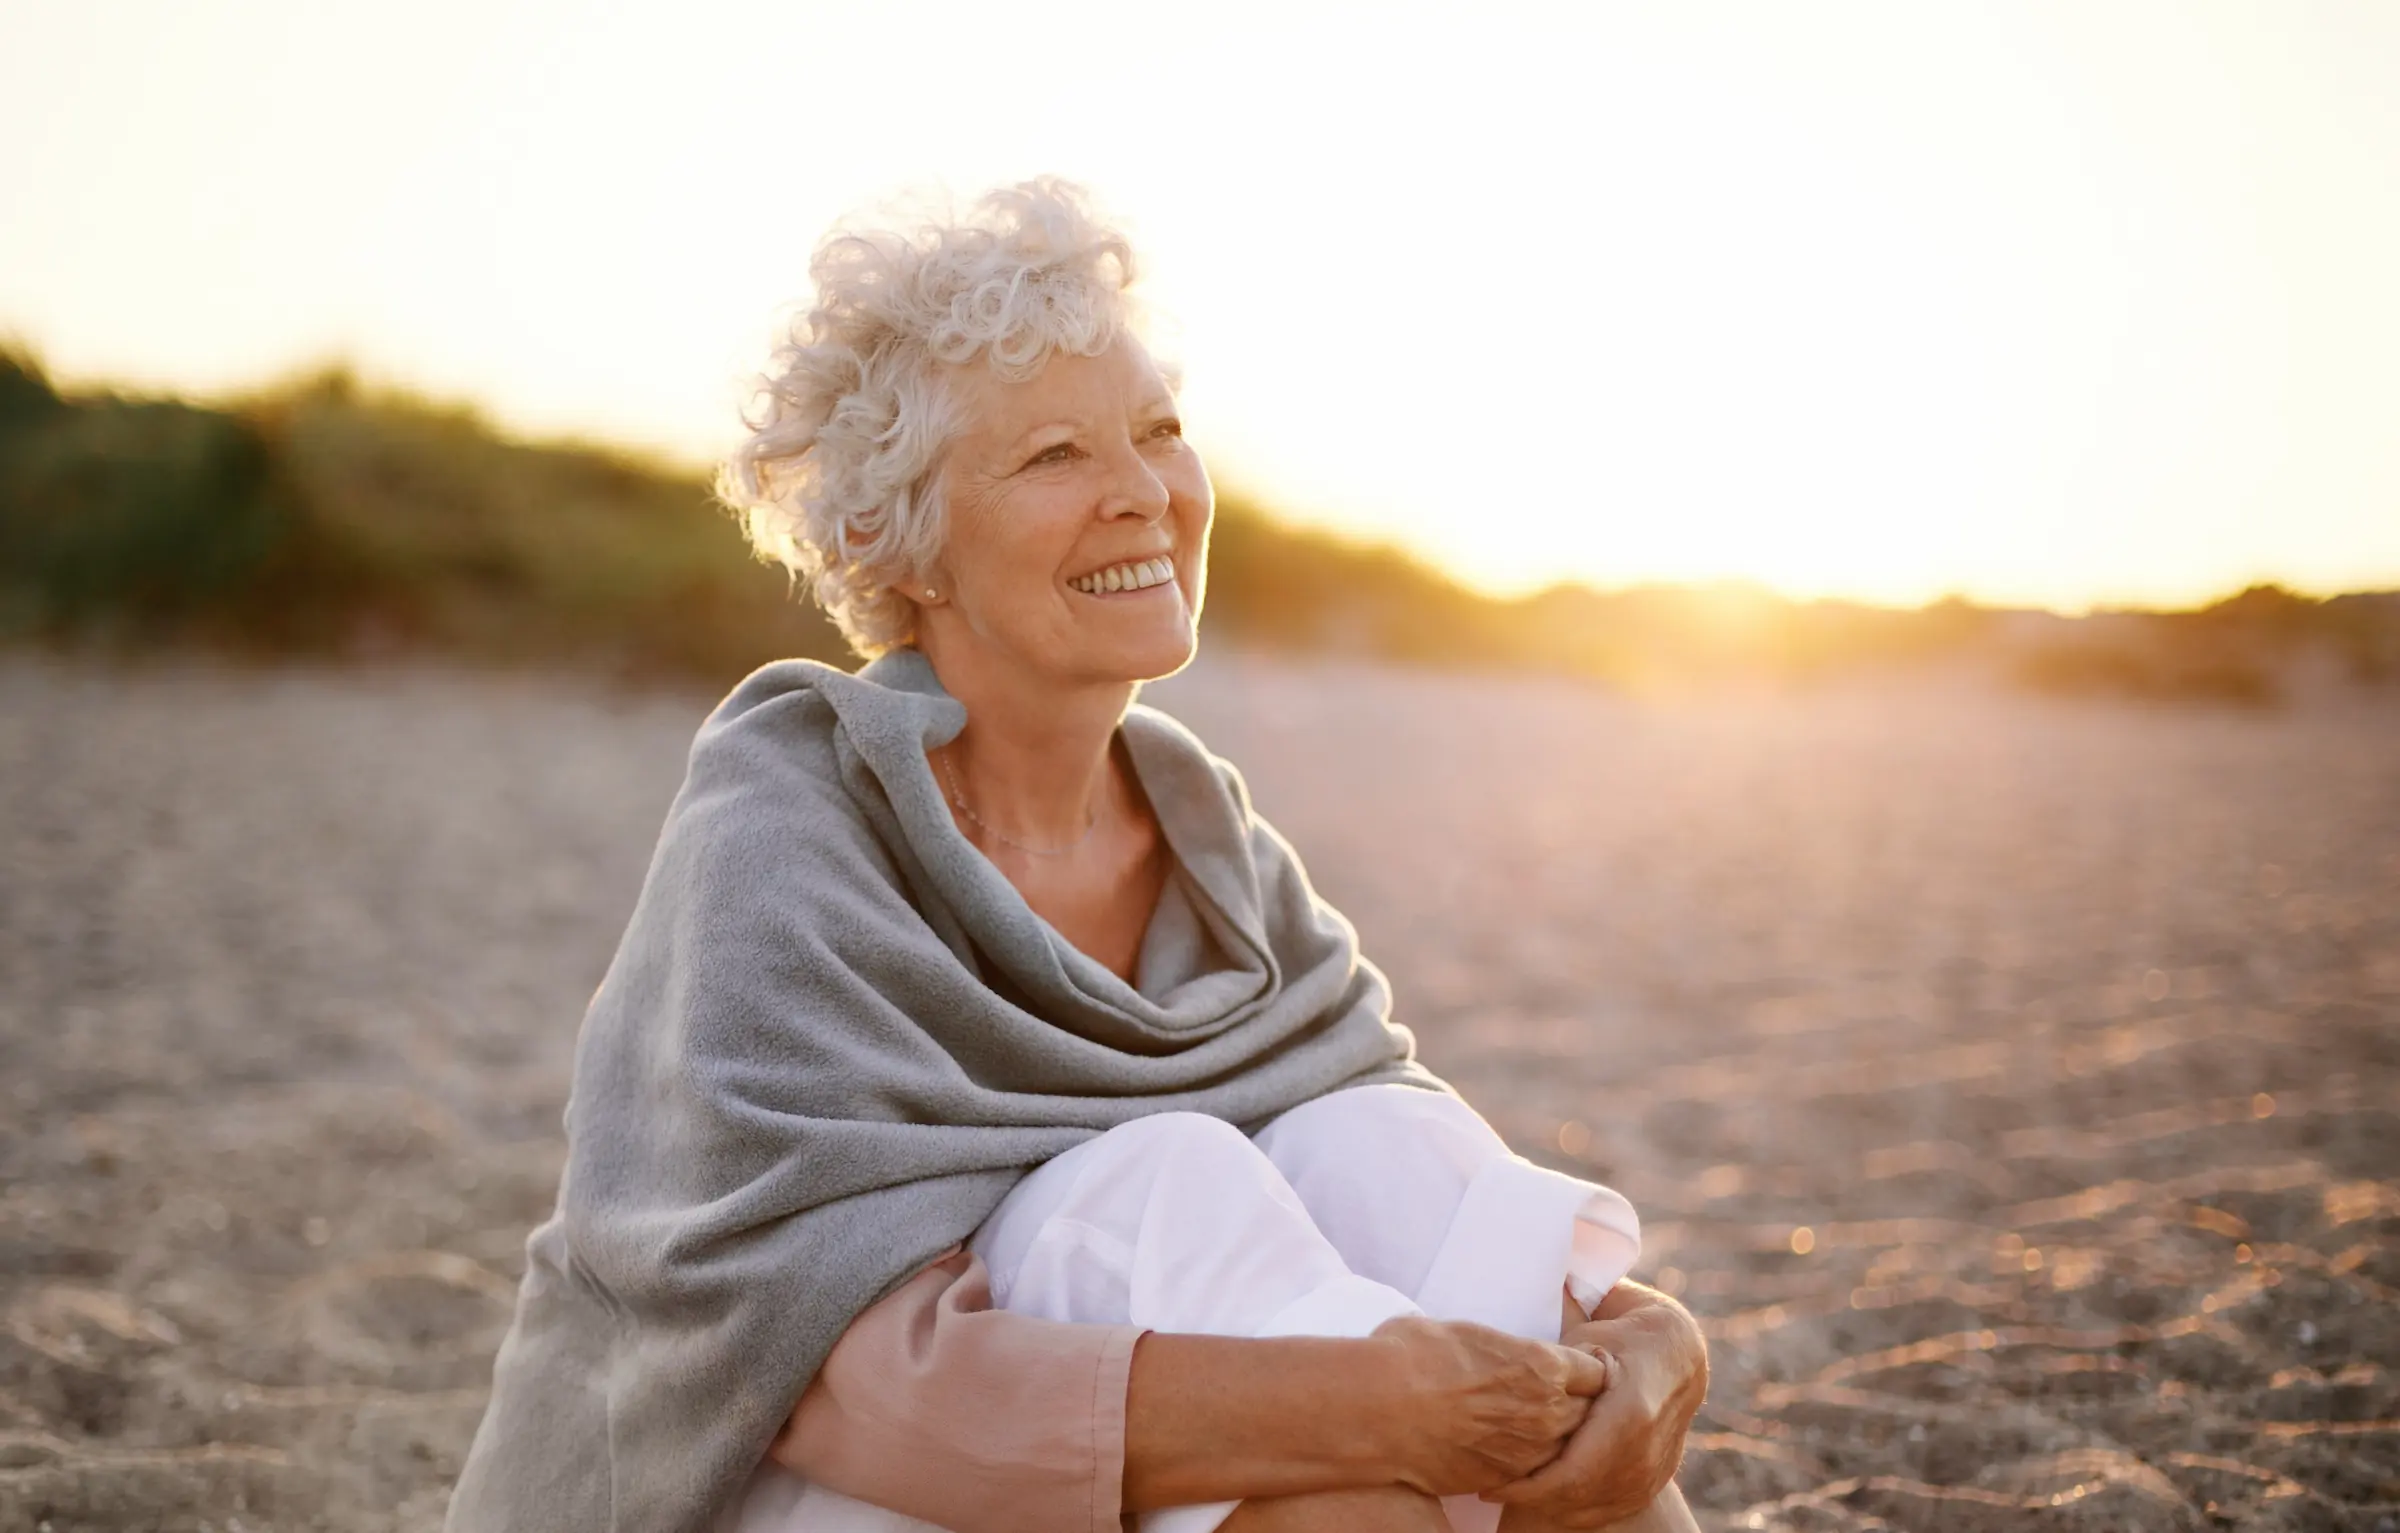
(1033, 763)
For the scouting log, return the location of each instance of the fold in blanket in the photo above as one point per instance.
(833, 1038)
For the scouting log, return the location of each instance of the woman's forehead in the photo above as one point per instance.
(1124, 379)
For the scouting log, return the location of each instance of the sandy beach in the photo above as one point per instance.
(2012, 1086)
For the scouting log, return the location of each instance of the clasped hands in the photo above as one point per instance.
(1581, 1435)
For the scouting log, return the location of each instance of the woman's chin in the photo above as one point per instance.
(1156, 648)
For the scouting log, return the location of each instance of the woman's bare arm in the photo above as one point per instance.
(1441, 1408)
(937, 1405)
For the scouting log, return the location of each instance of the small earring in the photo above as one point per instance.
(929, 596)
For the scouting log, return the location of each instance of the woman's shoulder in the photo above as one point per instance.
(768, 775)
(773, 731)
(1173, 759)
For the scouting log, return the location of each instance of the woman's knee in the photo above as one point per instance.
(1169, 1141)
(1108, 1179)
(1383, 1132)
(1103, 1202)
(1381, 1171)
(1177, 1149)
(1177, 1134)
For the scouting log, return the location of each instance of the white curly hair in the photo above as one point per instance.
(837, 478)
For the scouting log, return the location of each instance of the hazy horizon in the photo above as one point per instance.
(2039, 306)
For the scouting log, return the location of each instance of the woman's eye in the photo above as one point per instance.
(1168, 427)
(1058, 453)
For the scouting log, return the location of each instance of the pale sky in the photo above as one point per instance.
(2075, 303)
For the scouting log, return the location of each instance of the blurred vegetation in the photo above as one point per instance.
(328, 518)
(2247, 649)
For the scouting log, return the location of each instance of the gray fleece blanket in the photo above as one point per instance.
(832, 1039)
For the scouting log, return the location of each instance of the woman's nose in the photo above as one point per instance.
(1135, 489)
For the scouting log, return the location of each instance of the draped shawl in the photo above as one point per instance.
(832, 1039)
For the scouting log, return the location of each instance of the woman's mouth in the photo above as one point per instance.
(1135, 575)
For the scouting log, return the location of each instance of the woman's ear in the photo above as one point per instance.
(927, 586)
(920, 587)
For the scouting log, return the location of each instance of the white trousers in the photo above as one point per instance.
(1343, 1213)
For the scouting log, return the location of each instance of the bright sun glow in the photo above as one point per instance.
(2048, 303)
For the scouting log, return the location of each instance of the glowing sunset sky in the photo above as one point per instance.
(2061, 303)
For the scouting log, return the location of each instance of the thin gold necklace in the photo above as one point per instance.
(958, 797)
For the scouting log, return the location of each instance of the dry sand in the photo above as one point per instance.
(2010, 1086)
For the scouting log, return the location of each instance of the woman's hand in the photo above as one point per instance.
(1472, 1408)
(1630, 1444)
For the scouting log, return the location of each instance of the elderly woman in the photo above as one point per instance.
(983, 1125)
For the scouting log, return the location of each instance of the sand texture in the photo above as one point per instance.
(2012, 1087)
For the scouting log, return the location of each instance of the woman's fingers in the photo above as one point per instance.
(1596, 1479)
(1489, 1408)
(1587, 1373)
(1561, 1417)
(1583, 1376)
(1631, 1439)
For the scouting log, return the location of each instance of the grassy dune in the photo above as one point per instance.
(325, 517)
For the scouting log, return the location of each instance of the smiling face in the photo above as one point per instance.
(1077, 544)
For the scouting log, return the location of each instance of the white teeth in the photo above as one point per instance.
(1127, 577)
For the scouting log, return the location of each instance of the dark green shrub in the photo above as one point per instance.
(129, 517)
(2154, 657)
(26, 398)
